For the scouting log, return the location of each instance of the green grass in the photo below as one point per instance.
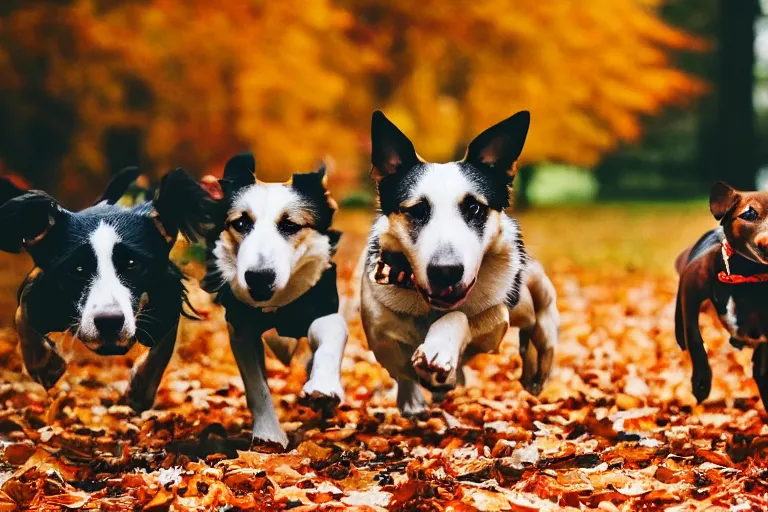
(561, 184)
(644, 236)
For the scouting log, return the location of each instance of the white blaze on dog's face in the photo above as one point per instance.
(104, 273)
(275, 243)
(445, 217)
(106, 307)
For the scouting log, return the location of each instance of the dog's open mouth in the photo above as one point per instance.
(449, 298)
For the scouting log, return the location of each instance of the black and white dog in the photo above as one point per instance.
(446, 272)
(102, 274)
(270, 267)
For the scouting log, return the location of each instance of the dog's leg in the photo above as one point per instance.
(327, 339)
(760, 371)
(679, 321)
(437, 359)
(545, 331)
(488, 329)
(249, 355)
(530, 359)
(147, 372)
(439, 396)
(410, 398)
(691, 296)
(523, 316)
(544, 338)
(41, 360)
(283, 347)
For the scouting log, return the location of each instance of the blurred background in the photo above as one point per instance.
(630, 99)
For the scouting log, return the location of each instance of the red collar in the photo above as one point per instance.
(727, 277)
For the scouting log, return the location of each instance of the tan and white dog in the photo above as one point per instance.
(269, 264)
(446, 271)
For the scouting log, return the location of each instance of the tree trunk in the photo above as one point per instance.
(735, 126)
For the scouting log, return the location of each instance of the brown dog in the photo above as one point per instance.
(728, 266)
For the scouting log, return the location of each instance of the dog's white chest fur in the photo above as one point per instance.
(730, 321)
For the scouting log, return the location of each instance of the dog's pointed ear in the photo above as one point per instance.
(27, 219)
(118, 186)
(722, 199)
(314, 186)
(310, 181)
(391, 150)
(500, 146)
(182, 205)
(239, 172)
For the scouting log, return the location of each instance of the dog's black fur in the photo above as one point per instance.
(52, 296)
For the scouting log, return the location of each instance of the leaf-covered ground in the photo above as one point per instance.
(616, 428)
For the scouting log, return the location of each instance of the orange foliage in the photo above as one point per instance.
(587, 71)
(295, 81)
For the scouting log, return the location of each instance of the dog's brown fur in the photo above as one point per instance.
(742, 307)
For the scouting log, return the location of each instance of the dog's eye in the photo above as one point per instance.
(242, 224)
(288, 227)
(418, 212)
(79, 271)
(473, 209)
(749, 214)
(131, 264)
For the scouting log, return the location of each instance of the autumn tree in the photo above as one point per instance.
(188, 83)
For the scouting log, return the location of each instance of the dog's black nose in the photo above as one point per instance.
(444, 276)
(261, 284)
(109, 326)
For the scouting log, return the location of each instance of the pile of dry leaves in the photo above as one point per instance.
(615, 429)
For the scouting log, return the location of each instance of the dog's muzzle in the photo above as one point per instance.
(111, 339)
(445, 289)
(261, 284)
(448, 298)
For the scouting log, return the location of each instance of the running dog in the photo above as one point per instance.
(729, 267)
(269, 265)
(446, 271)
(102, 274)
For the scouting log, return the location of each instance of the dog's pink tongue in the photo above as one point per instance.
(446, 292)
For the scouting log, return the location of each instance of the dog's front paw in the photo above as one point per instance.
(702, 382)
(137, 399)
(50, 371)
(267, 432)
(436, 371)
(322, 396)
(533, 385)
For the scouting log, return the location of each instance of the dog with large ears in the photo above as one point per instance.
(729, 267)
(103, 274)
(269, 264)
(446, 271)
